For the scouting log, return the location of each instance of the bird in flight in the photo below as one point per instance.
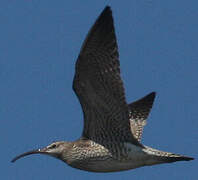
(111, 137)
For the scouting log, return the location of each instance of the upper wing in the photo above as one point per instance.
(139, 111)
(99, 87)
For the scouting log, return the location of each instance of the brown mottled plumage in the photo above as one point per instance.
(139, 111)
(112, 129)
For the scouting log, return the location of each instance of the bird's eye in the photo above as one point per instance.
(53, 146)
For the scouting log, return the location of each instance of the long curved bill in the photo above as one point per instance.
(36, 151)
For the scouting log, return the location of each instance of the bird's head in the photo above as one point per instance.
(55, 149)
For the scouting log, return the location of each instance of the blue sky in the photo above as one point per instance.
(39, 44)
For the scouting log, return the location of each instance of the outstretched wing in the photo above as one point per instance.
(99, 87)
(139, 111)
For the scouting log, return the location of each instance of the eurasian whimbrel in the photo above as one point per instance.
(112, 128)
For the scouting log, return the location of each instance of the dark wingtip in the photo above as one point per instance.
(106, 12)
(107, 8)
(187, 158)
(181, 158)
(149, 98)
(145, 102)
(152, 95)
